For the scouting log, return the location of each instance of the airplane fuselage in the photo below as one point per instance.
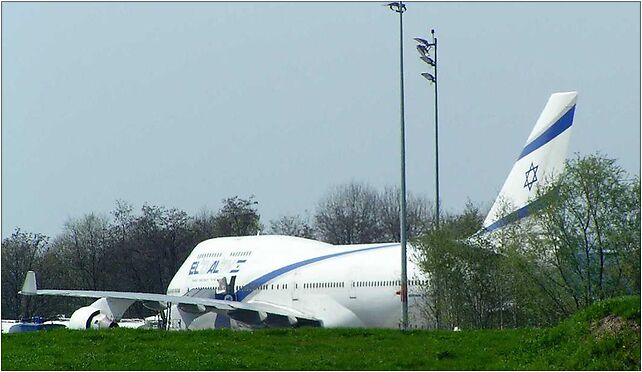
(343, 286)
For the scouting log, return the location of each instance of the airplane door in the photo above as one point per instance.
(294, 286)
(352, 290)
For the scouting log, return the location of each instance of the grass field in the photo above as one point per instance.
(604, 336)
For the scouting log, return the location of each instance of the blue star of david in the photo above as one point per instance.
(533, 179)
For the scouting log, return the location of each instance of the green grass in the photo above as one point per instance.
(573, 344)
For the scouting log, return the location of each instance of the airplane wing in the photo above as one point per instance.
(251, 313)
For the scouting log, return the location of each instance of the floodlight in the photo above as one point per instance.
(401, 7)
(428, 60)
(422, 50)
(420, 40)
(428, 76)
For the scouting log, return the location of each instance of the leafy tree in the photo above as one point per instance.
(583, 246)
(466, 286)
(588, 238)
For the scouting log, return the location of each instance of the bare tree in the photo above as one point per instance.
(356, 213)
(348, 215)
(21, 252)
(84, 243)
(419, 214)
(237, 217)
(292, 226)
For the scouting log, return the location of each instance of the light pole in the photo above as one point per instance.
(424, 48)
(400, 8)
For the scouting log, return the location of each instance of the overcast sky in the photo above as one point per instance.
(184, 104)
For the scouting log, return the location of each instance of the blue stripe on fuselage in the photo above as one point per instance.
(247, 289)
(556, 129)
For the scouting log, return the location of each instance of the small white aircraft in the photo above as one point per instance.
(281, 281)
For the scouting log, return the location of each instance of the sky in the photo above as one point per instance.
(185, 104)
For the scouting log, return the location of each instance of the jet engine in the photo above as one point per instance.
(89, 317)
(104, 313)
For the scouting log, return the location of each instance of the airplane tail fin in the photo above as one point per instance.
(541, 161)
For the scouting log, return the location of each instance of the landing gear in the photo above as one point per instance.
(166, 319)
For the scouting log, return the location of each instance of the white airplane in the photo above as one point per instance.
(282, 281)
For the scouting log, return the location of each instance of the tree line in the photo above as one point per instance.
(128, 251)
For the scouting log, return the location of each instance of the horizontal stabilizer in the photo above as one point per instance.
(29, 286)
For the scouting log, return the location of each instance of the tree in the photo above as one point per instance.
(588, 237)
(237, 217)
(419, 215)
(356, 213)
(292, 226)
(466, 284)
(160, 240)
(21, 252)
(85, 244)
(348, 215)
(204, 225)
(582, 246)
